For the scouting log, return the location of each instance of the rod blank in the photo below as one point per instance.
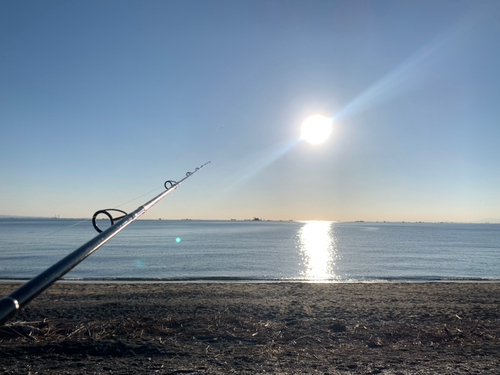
(9, 305)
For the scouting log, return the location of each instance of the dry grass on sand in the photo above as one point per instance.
(248, 328)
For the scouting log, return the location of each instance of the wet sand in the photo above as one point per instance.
(256, 328)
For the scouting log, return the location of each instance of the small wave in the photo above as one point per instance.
(235, 279)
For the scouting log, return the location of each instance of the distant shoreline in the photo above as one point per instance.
(492, 221)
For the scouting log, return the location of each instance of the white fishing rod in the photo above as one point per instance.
(9, 305)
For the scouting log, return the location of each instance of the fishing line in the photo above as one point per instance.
(32, 242)
(65, 228)
(86, 220)
(10, 304)
(140, 196)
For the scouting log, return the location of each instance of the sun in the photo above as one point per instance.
(316, 129)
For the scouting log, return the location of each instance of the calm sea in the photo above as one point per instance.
(257, 251)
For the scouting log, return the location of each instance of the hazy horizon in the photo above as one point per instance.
(484, 221)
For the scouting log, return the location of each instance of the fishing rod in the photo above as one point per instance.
(9, 305)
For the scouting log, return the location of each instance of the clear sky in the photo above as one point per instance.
(102, 101)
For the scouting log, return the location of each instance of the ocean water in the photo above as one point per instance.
(257, 251)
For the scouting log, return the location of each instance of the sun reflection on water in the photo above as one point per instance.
(317, 245)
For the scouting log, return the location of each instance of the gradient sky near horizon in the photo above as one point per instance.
(102, 101)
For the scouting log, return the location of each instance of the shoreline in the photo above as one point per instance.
(230, 279)
(248, 328)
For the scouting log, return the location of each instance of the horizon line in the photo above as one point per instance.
(483, 221)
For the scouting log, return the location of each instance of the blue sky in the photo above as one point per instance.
(101, 102)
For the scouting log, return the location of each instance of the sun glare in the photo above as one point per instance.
(318, 249)
(316, 129)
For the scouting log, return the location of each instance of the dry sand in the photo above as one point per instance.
(254, 328)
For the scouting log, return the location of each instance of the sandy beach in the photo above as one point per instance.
(254, 328)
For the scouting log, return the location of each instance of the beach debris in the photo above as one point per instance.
(20, 330)
(240, 340)
(375, 343)
(337, 326)
(81, 328)
(196, 310)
